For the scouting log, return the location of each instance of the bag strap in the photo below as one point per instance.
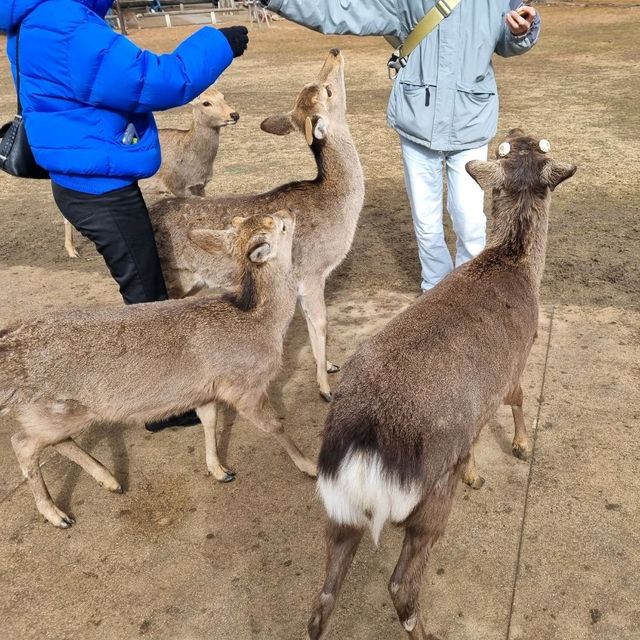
(18, 70)
(441, 10)
(431, 20)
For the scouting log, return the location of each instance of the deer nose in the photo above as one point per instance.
(335, 52)
(235, 116)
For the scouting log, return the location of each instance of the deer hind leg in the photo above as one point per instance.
(471, 475)
(520, 446)
(93, 467)
(69, 243)
(43, 426)
(315, 312)
(422, 530)
(342, 544)
(264, 417)
(208, 415)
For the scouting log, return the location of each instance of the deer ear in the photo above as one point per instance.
(488, 175)
(211, 241)
(554, 173)
(321, 129)
(279, 125)
(260, 253)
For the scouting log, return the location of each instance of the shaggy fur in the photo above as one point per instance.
(414, 398)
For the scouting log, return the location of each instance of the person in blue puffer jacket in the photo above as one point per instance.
(88, 96)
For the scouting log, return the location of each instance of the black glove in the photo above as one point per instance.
(238, 38)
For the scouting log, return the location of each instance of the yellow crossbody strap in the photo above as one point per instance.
(432, 19)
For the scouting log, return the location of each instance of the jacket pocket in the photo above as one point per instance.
(475, 115)
(414, 109)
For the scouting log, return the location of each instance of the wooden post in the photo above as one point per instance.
(120, 14)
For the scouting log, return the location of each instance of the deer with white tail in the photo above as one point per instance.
(414, 398)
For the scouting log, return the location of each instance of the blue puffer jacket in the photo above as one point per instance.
(82, 83)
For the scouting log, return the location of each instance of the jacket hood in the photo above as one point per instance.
(13, 12)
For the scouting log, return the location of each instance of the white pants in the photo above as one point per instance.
(465, 203)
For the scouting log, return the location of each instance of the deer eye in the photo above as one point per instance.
(329, 92)
(206, 104)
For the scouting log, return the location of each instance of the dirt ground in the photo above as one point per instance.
(546, 550)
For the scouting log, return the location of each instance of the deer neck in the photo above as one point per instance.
(203, 140)
(337, 159)
(268, 290)
(520, 229)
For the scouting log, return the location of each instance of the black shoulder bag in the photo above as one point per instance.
(16, 157)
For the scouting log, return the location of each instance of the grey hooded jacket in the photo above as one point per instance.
(446, 97)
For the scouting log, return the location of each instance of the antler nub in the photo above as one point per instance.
(504, 149)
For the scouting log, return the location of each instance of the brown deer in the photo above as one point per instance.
(414, 398)
(187, 155)
(145, 362)
(329, 208)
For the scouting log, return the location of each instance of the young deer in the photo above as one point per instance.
(414, 398)
(146, 362)
(329, 209)
(187, 155)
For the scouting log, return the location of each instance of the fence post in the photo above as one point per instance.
(121, 20)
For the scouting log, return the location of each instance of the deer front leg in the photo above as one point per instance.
(263, 416)
(208, 415)
(471, 475)
(520, 446)
(69, 243)
(315, 312)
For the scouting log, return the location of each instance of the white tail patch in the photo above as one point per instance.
(364, 494)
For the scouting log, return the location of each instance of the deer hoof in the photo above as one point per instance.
(475, 482)
(328, 397)
(63, 521)
(520, 451)
(333, 368)
(230, 477)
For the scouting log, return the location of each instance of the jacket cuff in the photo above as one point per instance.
(533, 33)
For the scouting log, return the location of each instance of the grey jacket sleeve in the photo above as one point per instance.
(355, 17)
(511, 45)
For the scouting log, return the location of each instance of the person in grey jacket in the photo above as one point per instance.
(444, 103)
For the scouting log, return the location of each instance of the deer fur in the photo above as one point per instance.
(146, 362)
(414, 398)
(329, 209)
(187, 155)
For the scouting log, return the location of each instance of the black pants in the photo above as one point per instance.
(118, 224)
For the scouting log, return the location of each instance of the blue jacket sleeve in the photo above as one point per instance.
(512, 45)
(108, 70)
